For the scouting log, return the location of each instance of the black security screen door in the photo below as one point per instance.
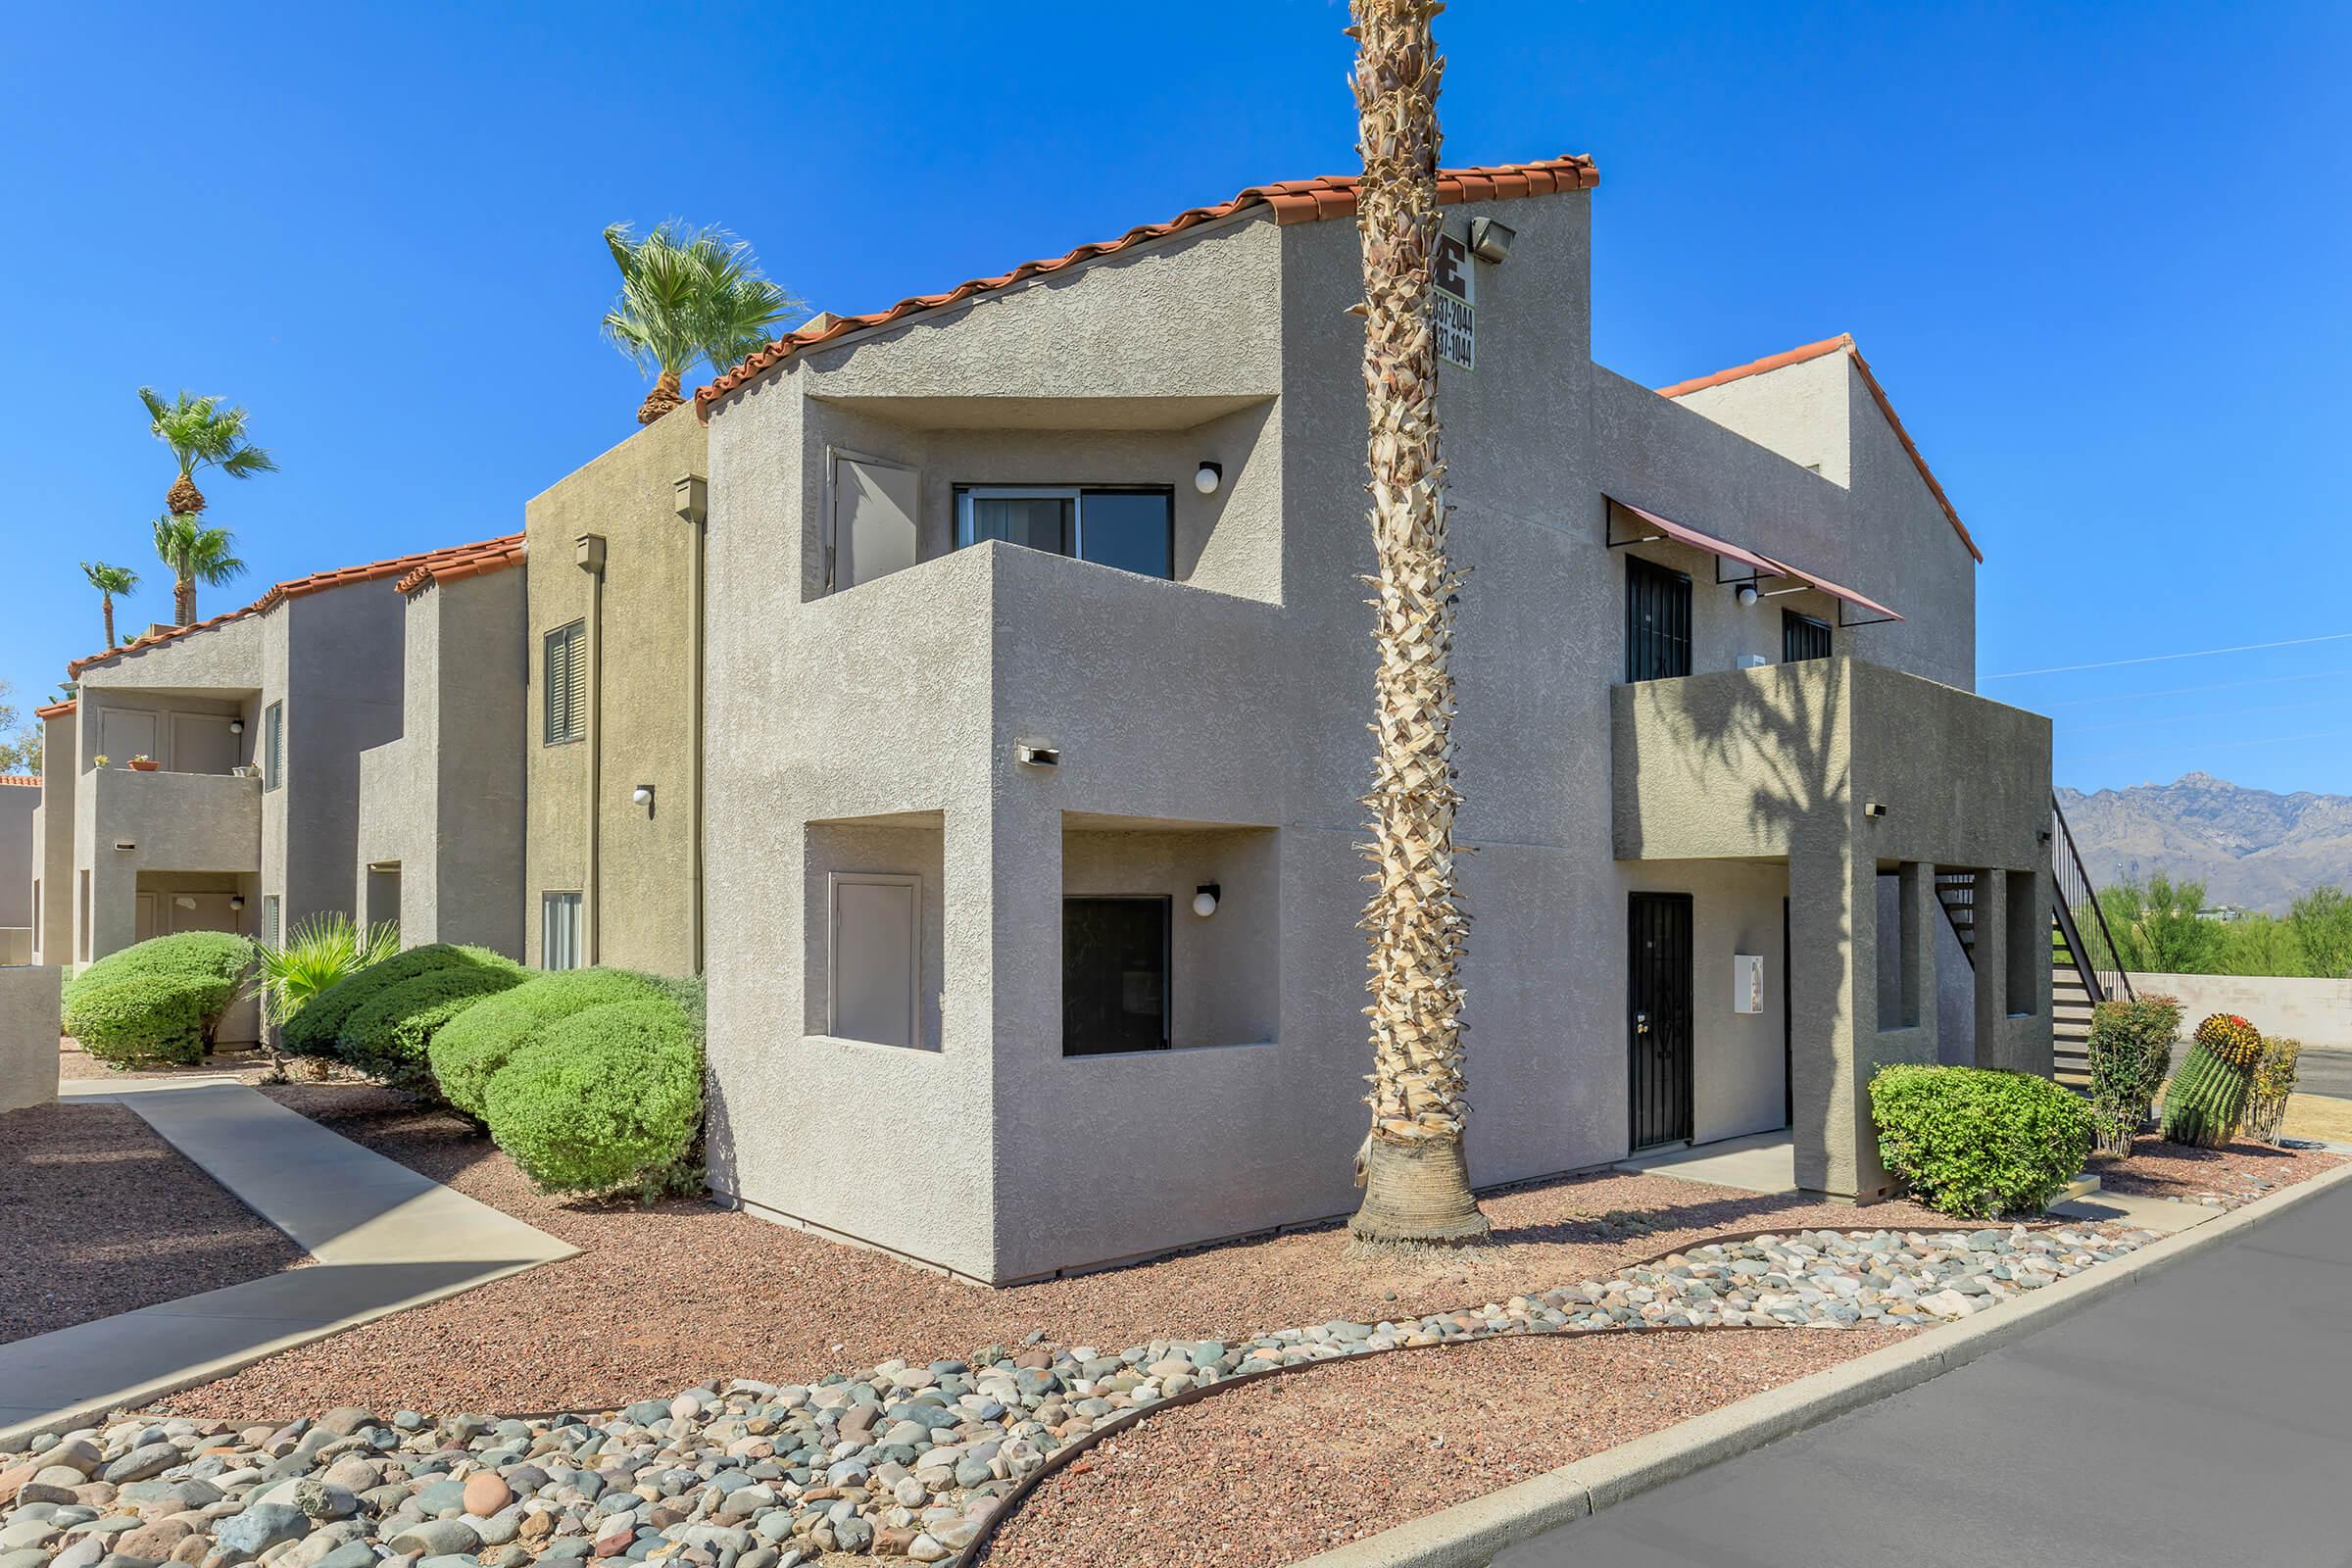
(1114, 975)
(1658, 1013)
(1657, 621)
(1802, 637)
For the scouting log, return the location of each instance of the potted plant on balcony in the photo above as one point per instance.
(143, 764)
(100, 759)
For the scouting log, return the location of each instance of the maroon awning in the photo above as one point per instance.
(1756, 562)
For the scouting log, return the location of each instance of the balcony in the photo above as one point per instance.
(1760, 763)
(174, 821)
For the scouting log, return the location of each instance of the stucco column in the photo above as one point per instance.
(1919, 918)
(1029, 1077)
(1832, 915)
(1991, 949)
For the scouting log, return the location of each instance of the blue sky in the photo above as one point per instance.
(2095, 253)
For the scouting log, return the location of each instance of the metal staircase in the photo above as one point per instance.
(2083, 969)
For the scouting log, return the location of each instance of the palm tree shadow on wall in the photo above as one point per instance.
(1766, 747)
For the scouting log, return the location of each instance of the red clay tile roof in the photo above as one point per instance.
(466, 561)
(1292, 201)
(316, 582)
(56, 710)
(30, 781)
(1878, 394)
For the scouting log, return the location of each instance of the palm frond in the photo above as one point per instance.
(689, 295)
(201, 433)
(317, 954)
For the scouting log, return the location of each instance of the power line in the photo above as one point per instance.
(2234, 744)
(2209, 686)
(2206, 718)
(2158, 659)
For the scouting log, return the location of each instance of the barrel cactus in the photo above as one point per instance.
(2208, 1097)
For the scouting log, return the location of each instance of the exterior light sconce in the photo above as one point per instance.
(643, 794)
(183, 902)
(2041, 835)
(1031, 755)
(1747, 594)
(236, 903)
(1208, 478)
(1874, 809)
(236, 727)
(1204, 898)
(1491, 241)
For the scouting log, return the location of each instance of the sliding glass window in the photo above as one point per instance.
(1132, 529)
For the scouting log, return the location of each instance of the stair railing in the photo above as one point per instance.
(2076, 907)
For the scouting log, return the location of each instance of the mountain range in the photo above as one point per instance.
(2251, 848)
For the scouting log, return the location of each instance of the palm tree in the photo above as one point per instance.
(688, 295)
(196, 555)
(1416, 1179)
(202, 434)
(109, 581)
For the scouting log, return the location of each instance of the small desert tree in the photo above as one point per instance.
(688, 296)
(109, 581)
(203, 432)
(2321, 920)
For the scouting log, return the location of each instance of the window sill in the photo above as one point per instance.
(1167, 1052)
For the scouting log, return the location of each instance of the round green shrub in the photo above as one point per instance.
(606, 1099)
(133, 1020)
(387, 1037)
(1976, 1142)
(468, 1053)
(2131, 1049)
(317, 1026)
(159, 1000)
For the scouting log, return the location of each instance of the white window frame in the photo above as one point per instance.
(550, 898)
(273, 746)
(273, 931)
(1075, 495)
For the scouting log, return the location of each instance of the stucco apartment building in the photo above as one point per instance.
(1038, 675)
(20, 801)
(253, 724)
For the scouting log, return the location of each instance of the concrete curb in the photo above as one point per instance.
(1469, 1535)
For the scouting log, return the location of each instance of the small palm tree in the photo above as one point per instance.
(1416, 1177)
(688, 295)
(109, 581)
(196, 554)
(316, 954)
(201, 433)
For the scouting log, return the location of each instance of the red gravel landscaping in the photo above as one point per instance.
(2158, 1169)
(663, 1298)
(104, 1218)
(1283, 1469)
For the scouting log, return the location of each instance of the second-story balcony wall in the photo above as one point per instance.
(174, 821)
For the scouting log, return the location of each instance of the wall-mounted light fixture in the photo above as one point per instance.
(183, 902)
(236, 903)
(1874, 809)
(1208, 478)
(643, 794)
(1747, 594)
(236, 727)
(1491, 241)
(1204, 898)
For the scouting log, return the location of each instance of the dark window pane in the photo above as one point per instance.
(1802, 637)
(1114, 975)
(1134, 531)
(1657, 621)
(1040, 522)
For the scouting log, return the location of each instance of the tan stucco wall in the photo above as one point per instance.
(53, 828)
(20, 855)
(645, 711)
(28, 1009)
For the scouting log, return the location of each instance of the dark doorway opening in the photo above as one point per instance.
(1114, 975)
(1658, 1017)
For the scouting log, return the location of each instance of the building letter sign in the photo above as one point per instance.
(1453, 296)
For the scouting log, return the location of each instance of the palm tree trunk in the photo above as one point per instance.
(183, 497)
(106, 607)
(183, 601)
(1416, 1179)
(664, 397)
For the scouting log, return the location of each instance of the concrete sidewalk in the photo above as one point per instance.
(383, 1237)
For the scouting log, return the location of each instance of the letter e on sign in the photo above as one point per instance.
(1453, 296)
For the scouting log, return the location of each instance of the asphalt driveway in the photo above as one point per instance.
(2202, 1417)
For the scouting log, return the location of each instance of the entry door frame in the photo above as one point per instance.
(1660, 1113)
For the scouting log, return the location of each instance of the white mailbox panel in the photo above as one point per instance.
(1748, 982)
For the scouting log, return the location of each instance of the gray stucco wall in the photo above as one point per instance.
(445, 799)
(28, 1022)
(2318, 1013)
(18, 854)
(53, 827)
(1217, 721)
